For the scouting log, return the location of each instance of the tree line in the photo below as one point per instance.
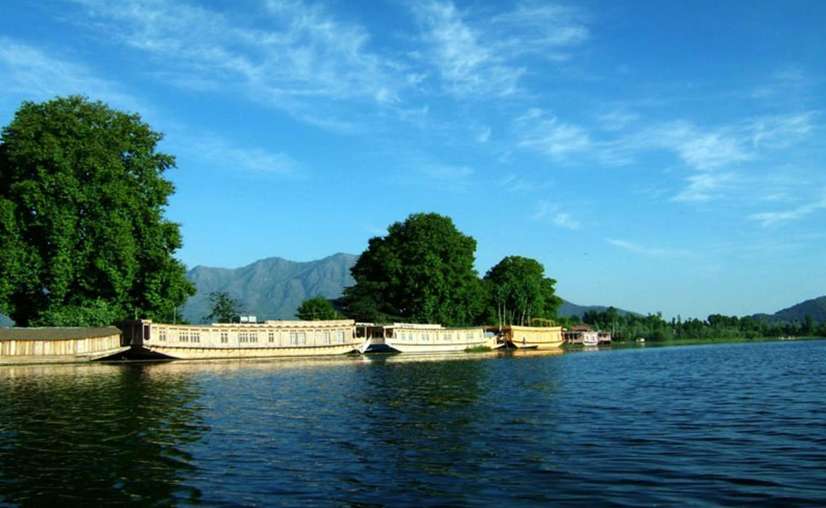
(629, 326)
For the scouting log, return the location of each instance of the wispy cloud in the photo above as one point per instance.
(307, 58)
(516, 183)
(704, 186)
(33, 73)
(767, 219)
(547, 134)
(483, 57)
(646, 250)
(221, 153)
(553, 214)
(447, 173)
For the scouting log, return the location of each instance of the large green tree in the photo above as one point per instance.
(83, 238)
(421, 271)
(519, 293)
(317, 309)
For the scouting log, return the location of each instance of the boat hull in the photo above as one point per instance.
(454, 347)
(200, 353)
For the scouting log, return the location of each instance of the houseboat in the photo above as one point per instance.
(421, 338)
(59, 345)
(530, 337)
(243, 340)
(585, 335)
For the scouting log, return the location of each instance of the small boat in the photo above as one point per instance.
(590, 340)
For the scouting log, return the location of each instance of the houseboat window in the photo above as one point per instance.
(253, 336)
(162, 334)
(271, 336)
(224, 337)
(196, 337)
(340, 336)
(326, 337)
(183, 336)
(242, 337)
(293, 338)
(302, 338)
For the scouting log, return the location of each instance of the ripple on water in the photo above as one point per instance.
(700, 426)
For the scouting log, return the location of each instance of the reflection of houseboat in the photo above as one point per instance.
(58, 345)
(243, 340)
(585, 335)
(531, 337)
(420, 338)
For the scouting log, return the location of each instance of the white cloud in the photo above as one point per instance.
(32, 73)
(767, 219)
(301, 65)
(703, 186)
(446, 172)
(548, 135)
(781, 131)
(646, 250)
(482, 57)
(466, 65)
(553, 214)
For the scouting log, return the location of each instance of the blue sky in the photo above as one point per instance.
(659, 156)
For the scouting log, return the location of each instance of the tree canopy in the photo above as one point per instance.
(317, 309)
(519, 293)
(421, 271)
(83, 238)
(223, 308)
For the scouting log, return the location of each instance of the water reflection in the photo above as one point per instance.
(95, 434)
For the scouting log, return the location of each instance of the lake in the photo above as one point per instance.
(730, 424)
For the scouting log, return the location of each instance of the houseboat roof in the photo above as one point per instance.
(57, 333)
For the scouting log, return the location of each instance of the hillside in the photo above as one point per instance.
(568, 309)
(816, 308)
(271, 288)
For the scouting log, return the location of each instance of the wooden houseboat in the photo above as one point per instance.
(421, 338)
(531, 337)
(59, 344)
(585, 335)
(243, 340)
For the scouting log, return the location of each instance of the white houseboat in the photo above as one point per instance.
(243, 340)
(421, 338)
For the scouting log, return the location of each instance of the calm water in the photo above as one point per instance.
(700, 426)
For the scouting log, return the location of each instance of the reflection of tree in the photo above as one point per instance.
(428, 417)
(97, 435)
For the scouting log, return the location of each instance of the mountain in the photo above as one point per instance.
(568, 309)
(271, 288)
(816, 308)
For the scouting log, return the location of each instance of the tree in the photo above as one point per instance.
(421, 271)
(83, 238)
(317, 309)
(519, 292)
(223, 308)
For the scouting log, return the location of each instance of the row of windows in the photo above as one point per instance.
(437, 336)
(248, 337)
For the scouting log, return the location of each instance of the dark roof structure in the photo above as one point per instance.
(57, 333)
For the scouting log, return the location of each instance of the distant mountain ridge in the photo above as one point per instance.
(816, 308)
(273, 288)
(270, 288)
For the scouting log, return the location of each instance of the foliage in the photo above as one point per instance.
(519, 293)
(83, 239)
(317, 309)
(421, 271)
(223, 308)
(715, 326)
